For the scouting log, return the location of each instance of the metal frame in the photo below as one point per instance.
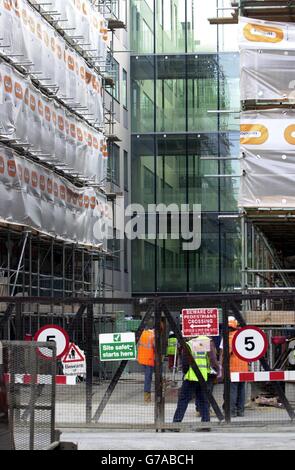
(158, 307)
(13, 392)
(37, 259)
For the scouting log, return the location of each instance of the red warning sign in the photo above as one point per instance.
(74, 362)
(74, 354)
(200, 321)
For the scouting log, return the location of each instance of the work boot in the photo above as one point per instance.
(147, 397)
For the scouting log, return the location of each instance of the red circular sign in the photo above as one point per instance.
(53, 333)
(250, 344)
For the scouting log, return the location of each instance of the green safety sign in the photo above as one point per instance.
(117, 347)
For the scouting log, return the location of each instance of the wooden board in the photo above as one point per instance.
(268, 317)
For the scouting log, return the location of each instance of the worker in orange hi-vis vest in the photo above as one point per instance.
(146, 357)
(237, 390)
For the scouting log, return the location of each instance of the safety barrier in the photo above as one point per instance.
(104, 387)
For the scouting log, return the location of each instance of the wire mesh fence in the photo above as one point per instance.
(101, 382)
(28, 384)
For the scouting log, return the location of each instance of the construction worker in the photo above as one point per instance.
(213, 375)
(171, 352)
(237, 390)
(191, 383)
(146, 357)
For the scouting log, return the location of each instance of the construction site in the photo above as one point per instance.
(107, 107)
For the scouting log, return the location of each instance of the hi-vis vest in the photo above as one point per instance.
(236, 364)
(172, 345)
(201, 359)
(146, 348)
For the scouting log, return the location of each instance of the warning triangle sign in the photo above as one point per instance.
(74, 354)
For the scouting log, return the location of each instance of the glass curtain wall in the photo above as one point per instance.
(185, 143)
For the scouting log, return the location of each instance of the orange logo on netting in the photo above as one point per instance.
(253, 134)
(260, 33)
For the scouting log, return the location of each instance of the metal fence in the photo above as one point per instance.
(111, 394)
(28, 389)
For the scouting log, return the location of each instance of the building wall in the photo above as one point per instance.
(184, 82)
(118, 274)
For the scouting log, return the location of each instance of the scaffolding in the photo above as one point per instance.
(32, 264)
(268, 258)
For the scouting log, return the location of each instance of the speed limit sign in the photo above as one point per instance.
(53, 333)
(250, 344)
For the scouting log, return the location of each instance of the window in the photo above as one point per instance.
(114, 164)
(126, 255)
(126, 169)
(114, 72)
(125, 89)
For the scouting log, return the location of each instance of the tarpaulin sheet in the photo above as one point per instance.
(31, 118)
(35, 197)
(27, 39)
(267, 60)
(261, 34)
(86, 22)
(268, 163)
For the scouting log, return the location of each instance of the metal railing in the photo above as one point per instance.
(111, 394)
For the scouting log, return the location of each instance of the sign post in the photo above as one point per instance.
(117, 347)
(200, 322)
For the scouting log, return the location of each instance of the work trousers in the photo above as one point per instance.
(237, 397)
(148, 378)
(210, 386)
(188, 389)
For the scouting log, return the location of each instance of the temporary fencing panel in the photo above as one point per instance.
(36, 197)
(32, 119)
(111, 394)
(30, 385)
(30, 41)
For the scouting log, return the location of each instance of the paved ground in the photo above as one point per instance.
(181, 441)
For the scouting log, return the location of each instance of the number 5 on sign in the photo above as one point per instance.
(250, 344)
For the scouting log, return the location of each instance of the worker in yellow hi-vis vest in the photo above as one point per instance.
(171, 352)
(202, 351)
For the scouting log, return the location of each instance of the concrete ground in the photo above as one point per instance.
(248, 440)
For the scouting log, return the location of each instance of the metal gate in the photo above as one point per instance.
(111, 394)
(28, 392)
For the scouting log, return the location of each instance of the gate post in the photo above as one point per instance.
(226, 365)
(159, 396)
(6, 435)
(89, 362)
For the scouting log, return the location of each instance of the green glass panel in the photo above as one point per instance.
(230, 169)
(202, 90)
(143, 94)
(229, 91)
(201, 35)
(171, 94)
(172, 268)
(143, 266)
(230, 241)
(203, 186)
(170, 26)
(171, 170)
(142, 26)
(204, 263)
(143, 170)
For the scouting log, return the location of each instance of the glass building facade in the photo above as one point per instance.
(185, 141)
